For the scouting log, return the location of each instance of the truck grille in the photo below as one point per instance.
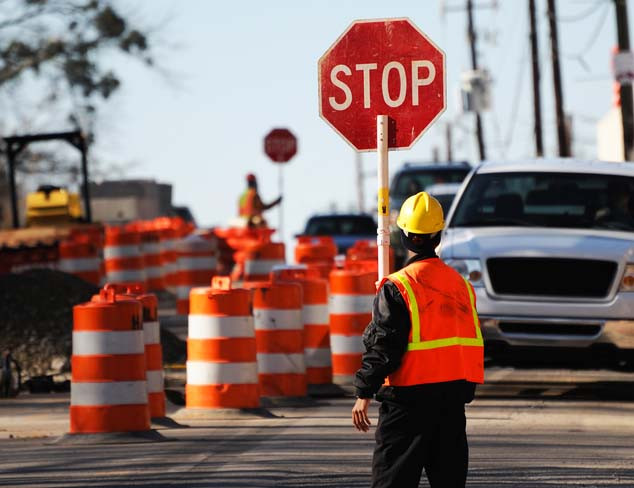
(551, 277)
(549, 329)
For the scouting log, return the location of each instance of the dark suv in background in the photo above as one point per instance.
(412, 178)
(345, 229)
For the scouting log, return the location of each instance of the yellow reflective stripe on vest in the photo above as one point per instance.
(416, 344)
(413, 307)
(476, 322)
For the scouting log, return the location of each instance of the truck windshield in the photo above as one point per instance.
(584, 201)
(341, 225)
(411, 182)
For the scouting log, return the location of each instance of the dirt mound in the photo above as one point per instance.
(36, 319)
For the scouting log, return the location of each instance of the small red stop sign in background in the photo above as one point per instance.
(382, 67)
(280, 145)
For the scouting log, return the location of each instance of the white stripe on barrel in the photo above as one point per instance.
(155, 381)
(152, 332)
(315, 314)
(213, 327)
(84, 394)
(113, 252)
(87, 343)
(346, 344)
(207, 373)
(350, 304)
(261, 266)
(317, 358)
(126, 275)
(77, 265)
(278, 319)
(270, 363)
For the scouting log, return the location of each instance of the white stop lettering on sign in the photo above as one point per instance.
(422, 73)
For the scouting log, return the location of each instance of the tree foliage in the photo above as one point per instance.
(58, 63)
(63, 46)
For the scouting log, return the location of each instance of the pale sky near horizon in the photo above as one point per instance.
(240, 68)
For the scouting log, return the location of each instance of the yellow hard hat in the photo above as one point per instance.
(421, 214)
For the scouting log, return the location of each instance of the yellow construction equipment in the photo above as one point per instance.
(52, 205)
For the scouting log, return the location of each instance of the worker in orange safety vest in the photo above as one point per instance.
(423, 358)
(251, 207)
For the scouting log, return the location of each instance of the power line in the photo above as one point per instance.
(519, 83)
(592, 38)
(585, 14)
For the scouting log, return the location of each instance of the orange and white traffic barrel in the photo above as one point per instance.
(167, 241)
(108, 386)
(279, 335)
(152, 343)
(260, 259)
(317, 252)
(221, 353)
(122, 256)
(151, 250)
(82, 258)
(351, 297)
(195, 266)
(315, 318)
(364, 255)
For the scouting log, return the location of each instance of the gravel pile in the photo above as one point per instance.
(36, 319)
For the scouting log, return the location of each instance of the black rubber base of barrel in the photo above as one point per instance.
(292, 402)
(167, 423)
(329, 391)
(110, 438)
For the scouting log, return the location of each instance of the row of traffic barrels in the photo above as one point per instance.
(117, 362)
(137, 252)
(274, 338)
(161, 254)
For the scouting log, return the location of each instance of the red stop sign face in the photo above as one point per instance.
(382, 67)
(280, 145)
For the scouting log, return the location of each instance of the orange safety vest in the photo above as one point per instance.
(445, 341)
(247, 204)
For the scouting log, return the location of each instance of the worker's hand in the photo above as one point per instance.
(360, 414)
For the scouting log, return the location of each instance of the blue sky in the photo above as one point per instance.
(235, 70)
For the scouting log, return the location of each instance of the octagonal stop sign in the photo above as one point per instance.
(280, 145)
(382, 67)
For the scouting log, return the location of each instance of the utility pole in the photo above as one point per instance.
(564, 147)
(474, 66)
(537, 98)
(449, 143)
(435, 154)
(627, 102)
(360, 192)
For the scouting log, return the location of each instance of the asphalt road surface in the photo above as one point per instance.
(527, 428)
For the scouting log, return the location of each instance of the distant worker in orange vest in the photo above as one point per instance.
(251, 206)
(425, 339)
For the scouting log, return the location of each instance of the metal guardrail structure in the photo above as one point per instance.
(16, 144)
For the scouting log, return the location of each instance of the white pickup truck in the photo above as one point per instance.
(549, 248)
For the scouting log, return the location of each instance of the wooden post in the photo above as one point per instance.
(383, 230)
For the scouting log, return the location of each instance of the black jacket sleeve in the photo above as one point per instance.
(385, 340)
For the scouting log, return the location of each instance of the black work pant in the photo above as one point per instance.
(409, 439)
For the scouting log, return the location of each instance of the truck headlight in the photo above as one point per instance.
(627, 282)
(472, 269)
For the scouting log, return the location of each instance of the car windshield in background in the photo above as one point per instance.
(583, 201)
(445, 201)
(410, 183)
(347, 226)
